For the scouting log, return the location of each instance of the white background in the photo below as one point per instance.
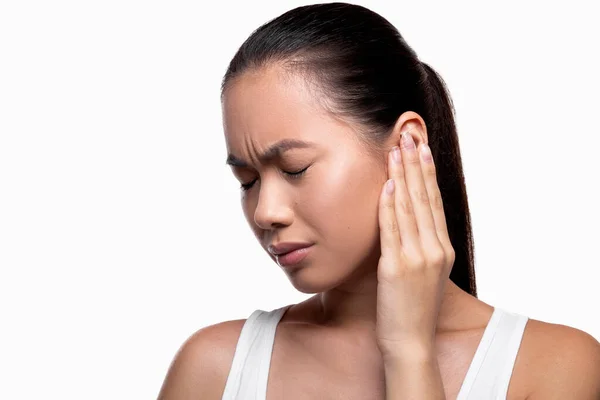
(121, 230)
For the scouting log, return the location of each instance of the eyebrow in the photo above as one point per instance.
(272, 152)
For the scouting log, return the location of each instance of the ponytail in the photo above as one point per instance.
(443, 141)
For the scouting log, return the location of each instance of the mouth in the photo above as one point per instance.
(294, 257)
(282, 248)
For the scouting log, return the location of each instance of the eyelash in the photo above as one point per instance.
(293, 175)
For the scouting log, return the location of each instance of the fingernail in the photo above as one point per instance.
(396, 154)
(408, 141)
(389, 186)
(426, 153)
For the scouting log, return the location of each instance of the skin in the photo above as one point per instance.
(330, 346)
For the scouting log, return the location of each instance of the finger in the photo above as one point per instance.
(435, 196)
(389, 234)
(418, 193)
(409, 233)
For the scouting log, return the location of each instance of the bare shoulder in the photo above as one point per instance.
(561, 361)
(200, 367)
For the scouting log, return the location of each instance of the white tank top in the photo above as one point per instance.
(488, 375)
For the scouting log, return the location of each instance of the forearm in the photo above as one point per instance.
(413, 377)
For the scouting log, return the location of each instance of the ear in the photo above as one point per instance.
(411, 122)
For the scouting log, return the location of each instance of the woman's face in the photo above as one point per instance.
(333, 204)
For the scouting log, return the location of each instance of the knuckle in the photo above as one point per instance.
(421, 196)
(392, 225)
(436, 202)
(451, 256)
(391, 275)
(429, 171)
(437, 257)
(398, 176)
(404, 207)
(412, 159)
(388, 206)
(418, 262)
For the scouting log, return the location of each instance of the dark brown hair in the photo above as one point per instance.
(369, 74)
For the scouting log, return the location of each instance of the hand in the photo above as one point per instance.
(416, 254)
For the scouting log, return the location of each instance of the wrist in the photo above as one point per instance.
(409, 354)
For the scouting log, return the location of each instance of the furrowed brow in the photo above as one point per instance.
(272, 152)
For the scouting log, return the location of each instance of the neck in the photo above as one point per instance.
(353, 305)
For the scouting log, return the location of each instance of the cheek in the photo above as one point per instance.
(248, 211)
(344, 205)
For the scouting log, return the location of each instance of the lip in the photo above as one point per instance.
(280, 249)
(292, 258)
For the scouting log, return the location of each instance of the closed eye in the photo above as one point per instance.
(293, 175)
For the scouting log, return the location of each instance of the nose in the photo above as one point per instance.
(272, 209)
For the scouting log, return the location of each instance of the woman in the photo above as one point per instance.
(347, 152)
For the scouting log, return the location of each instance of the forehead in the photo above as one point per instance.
(265, 106)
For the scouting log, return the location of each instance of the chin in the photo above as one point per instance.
(313, 281)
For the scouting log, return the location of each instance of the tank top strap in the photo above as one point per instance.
(489, 374)
(249, 371)
(514, 326)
